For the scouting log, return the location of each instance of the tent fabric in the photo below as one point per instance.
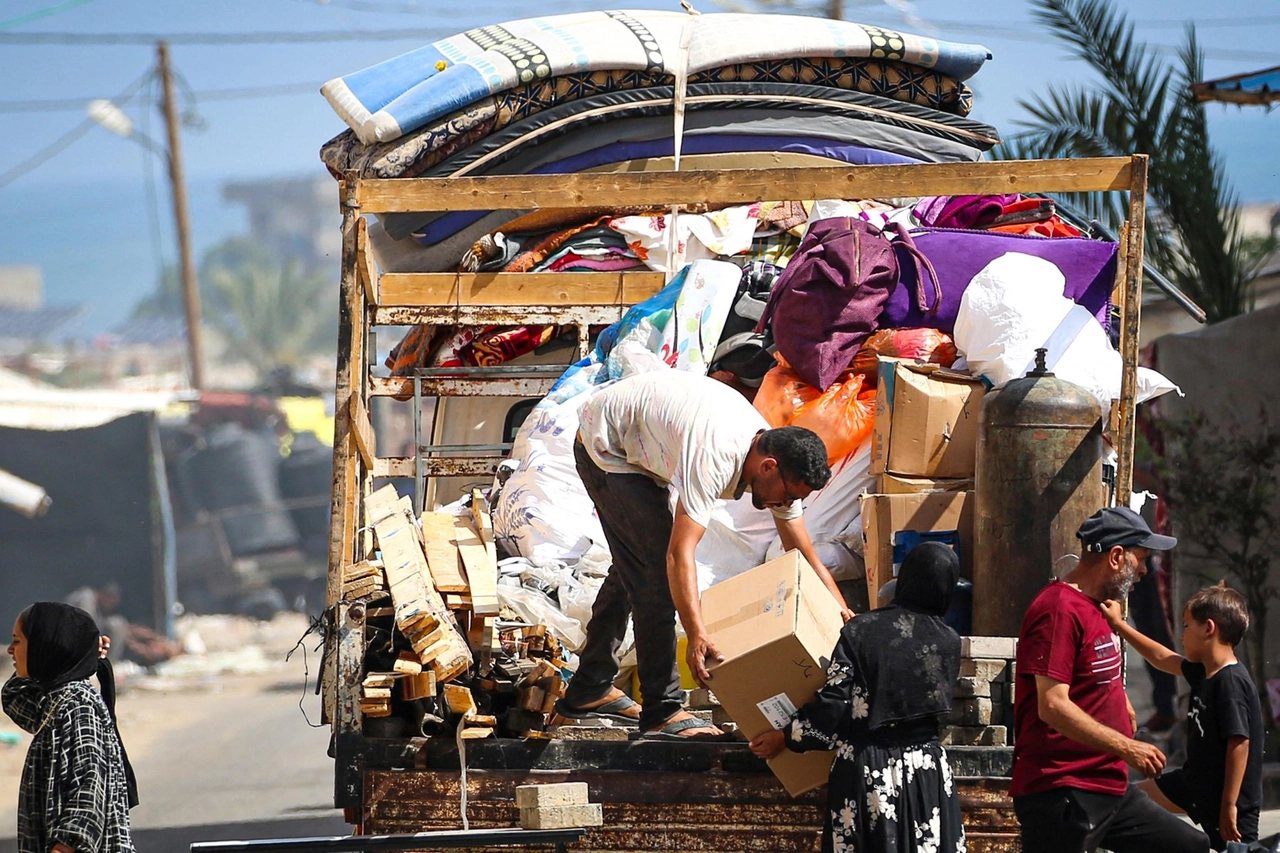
(1257, 87)
(387, 100)
(103, 522)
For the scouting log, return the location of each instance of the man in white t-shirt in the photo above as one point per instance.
(638, 437)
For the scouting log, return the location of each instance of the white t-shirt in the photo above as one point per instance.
(679, 428)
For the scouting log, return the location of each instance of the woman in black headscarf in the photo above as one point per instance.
(77, 785)
(889, 684)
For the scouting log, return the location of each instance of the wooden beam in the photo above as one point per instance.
(499, 315)
(365, 266)
(350, 369)
(546, 288)
(741, 186)
(362, 431)
(1130, 323)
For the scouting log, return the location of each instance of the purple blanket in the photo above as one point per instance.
(1089, 267)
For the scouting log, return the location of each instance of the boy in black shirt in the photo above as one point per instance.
(1220, 785)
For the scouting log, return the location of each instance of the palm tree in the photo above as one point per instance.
(1143, 104)
(272, 312)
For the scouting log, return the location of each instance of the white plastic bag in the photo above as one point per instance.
(1014, 306)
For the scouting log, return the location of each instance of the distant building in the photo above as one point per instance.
(25, 321)
(296, 218)
(21, 287)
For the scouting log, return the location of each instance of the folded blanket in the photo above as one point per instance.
(385, 101)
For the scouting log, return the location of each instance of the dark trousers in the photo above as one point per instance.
(1148, 616)
(1070, 820)
(637, 523)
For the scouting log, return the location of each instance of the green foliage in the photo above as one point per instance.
(165, 300)
(1220, 483)
(274, 314)
(1142, 104)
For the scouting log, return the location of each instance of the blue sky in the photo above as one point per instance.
(86, 208)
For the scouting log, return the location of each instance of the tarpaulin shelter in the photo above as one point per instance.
(97, 455)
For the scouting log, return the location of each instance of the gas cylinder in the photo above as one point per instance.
(1039, 475)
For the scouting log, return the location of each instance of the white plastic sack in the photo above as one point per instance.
(537, 609)
(1014, 306)
(741, 537)
(543, 513)
(833, 516)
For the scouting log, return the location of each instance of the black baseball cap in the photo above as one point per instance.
(1119, 525)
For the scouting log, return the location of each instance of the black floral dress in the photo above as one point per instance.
(891, 787)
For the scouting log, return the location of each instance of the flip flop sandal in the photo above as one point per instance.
(671, 732)
(608, 711)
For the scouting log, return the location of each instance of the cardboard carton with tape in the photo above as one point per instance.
(776, 626)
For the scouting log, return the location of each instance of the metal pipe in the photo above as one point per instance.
(1096, 228)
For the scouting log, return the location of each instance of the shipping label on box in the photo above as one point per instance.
(894, 524)
(926, 423)
(776, 626)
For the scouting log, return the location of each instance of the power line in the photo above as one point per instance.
(300, 37)
(41, 13)
(247, 93)
(69, 137)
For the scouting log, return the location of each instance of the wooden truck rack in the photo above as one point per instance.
(366, 769)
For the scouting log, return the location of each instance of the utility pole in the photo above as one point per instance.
(835, 9)
(181, 215)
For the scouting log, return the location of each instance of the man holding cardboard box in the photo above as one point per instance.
(702, 438)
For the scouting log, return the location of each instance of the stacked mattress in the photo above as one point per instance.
(595, 91)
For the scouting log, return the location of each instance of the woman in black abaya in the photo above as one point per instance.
(77, 785)
(889, 684)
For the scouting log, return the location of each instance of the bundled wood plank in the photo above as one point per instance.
(420, 611)
(443, 561)
(459, 700)
(407, 664)
(420, 686)
(482, 568)
(363, 579)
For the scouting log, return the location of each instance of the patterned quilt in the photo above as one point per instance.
(388, 100)
(412, 154)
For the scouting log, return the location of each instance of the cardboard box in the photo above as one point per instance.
(894, 524)
(926, 421)
(894, 484)
(776, 626)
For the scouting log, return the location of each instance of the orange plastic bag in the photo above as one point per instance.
(842, 416)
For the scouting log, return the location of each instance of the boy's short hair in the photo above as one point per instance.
(1226, 607)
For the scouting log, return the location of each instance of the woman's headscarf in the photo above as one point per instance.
(62, 647)
(927, 579)
(907, 655)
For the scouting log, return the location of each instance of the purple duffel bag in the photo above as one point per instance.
(1089, 267)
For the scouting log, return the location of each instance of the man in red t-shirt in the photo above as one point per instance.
(1072, 720)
